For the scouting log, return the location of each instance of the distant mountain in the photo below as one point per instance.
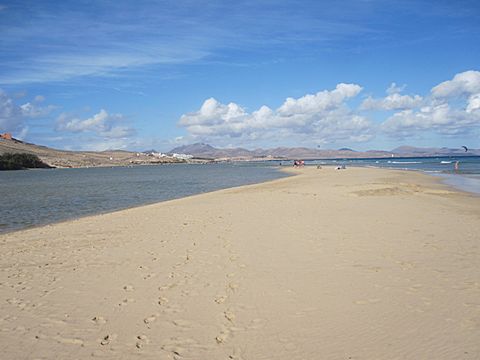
(201, 150)
(418, 151)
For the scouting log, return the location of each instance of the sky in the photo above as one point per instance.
(146, 74)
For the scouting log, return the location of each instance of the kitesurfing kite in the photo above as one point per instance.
(466, 149)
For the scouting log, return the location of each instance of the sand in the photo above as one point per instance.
(348, 264)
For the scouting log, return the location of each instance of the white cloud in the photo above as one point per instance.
(321, 101)
(437, 117)
(321, 118)
(465, 83)
(393, 101)
(453, 108)
(96, 122)
(102, 124)
(13, 117)
(395, 89)
(32, 110)
(10, 114)
(473, 103)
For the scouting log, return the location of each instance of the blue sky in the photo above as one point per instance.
(363, 74)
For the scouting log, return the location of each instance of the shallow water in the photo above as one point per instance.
(35, 197)
(466, 178)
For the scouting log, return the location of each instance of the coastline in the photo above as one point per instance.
(361, 263)
(62, 195)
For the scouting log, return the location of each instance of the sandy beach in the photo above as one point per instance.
(351, 264)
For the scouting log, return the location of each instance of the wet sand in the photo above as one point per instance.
(349, 264)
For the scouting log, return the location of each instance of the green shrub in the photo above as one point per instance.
(20, 161)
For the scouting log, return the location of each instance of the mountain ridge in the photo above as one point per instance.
(208, 151)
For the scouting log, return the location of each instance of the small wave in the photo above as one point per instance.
(445, 162)
(405, 162)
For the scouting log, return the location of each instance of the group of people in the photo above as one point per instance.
(298, 163)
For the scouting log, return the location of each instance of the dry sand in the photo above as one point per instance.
(351, 264)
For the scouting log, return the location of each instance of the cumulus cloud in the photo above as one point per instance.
(322, 117)
(440, 118)
(14, 117)
(393, 101)
(32, 110)
(465, 83)
(320, 102)
(10, 114)
(473, 103)
(102, 124)
(453, 108)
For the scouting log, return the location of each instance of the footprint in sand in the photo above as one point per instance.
(107, 339)
(141, 341)
(181, 347)
(223, 336)
(150, 319)
(233, 286)
(182, 323)
(235, 356)
(229, 315)
(162, 300)
(99, 320)
(128, 288)
(166, 287)
(220, 299)
(149, 276)
(126, 301)
(69, 341)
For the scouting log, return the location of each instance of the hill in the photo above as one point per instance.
(62, 158)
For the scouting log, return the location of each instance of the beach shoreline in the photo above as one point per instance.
(358, 263)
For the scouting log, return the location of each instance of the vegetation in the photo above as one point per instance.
(21, 161)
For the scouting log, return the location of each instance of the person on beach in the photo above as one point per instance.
(456, 166)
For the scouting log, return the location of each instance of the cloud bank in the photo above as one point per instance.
(451, 108)
(323, 116)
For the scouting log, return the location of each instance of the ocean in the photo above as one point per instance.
(466, 178)
(37, 197)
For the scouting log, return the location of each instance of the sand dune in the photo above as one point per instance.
(351, 264)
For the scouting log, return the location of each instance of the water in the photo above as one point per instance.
(466, 178)
(35, 197)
